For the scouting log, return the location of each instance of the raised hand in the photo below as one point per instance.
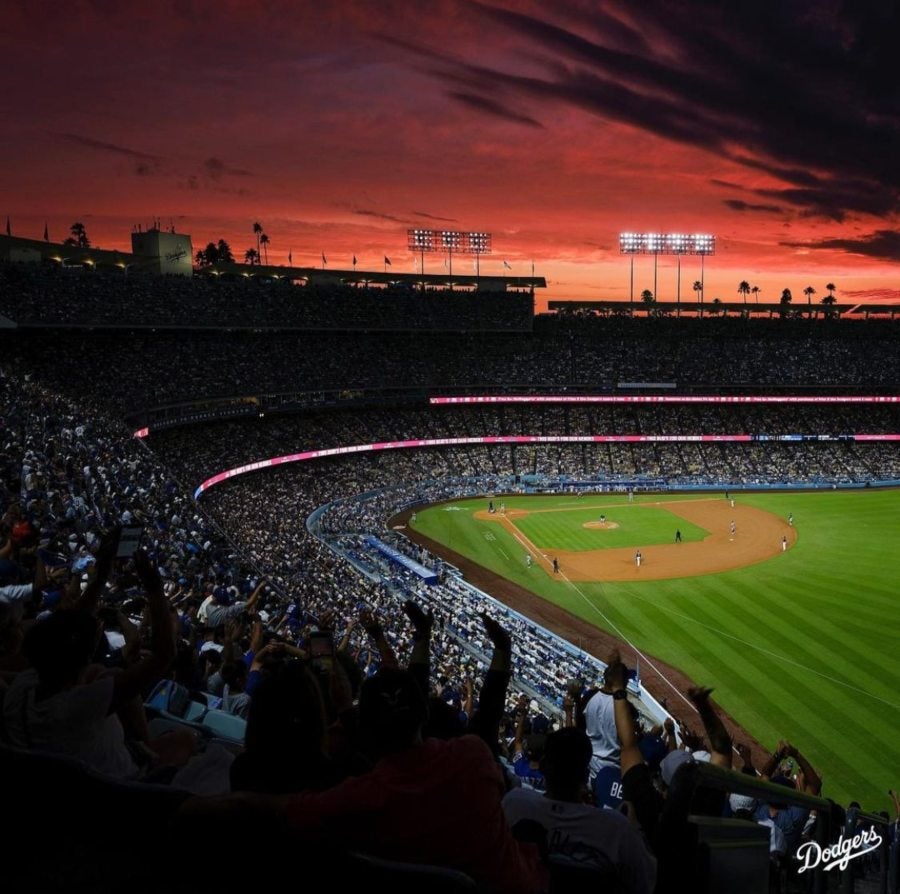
(421, 621)
(616, 675)
(498, 635)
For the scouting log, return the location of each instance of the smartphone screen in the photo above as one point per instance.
(129, 541)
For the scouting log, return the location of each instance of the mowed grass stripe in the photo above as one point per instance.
(792, 695)
(791, 629)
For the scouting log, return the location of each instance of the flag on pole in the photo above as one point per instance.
(46, 233)
(324, 259)
(507, 265)
(387, 260)
(8, 228)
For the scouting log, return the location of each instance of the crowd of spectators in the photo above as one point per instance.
(239, 345)
(45, 295)
(483, 742)
(232, 443)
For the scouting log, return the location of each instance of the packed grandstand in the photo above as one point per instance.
(283, 649)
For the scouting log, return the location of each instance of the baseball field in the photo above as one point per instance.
(794, 624)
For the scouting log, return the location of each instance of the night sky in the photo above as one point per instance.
(554, 126)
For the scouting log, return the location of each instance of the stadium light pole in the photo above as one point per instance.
(477, 244)
(675, 243)
(450, 239)
(667, 244)
(421, 241)
(631, 244)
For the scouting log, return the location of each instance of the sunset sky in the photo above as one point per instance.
(554, 126)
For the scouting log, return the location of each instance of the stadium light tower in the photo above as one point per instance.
(450, 240)
(631, 244)
(676, 243)
(704, 245)
(657, 244)
(477, 244)
(421, 241)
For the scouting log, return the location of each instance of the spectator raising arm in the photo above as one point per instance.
(143, 674)
(719, 740)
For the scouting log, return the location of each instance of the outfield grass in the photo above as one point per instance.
(805, 646)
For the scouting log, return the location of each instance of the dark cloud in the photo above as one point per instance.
(428, 216)
(808, 92)
(364, 212)
(100, 145)
(483, 104)
(215, 169)
(740, 205)
(882, 244)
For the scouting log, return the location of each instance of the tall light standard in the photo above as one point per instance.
(631, 244)
(703, 245)
(421, 241)
(477, 244)
(657, 244)
(449, 240)
(676, 244)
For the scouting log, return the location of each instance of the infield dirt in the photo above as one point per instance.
(757, 536)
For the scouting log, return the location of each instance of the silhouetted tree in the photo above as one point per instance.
(264, 242)
(831, 287)
(209, 255)
(744, 289)
(756, 290)
(224, 252)
(257, 231)
(79, 237)
(251, 257)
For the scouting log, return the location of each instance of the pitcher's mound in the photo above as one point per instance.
(603, 526)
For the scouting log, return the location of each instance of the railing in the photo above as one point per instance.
(828, 834)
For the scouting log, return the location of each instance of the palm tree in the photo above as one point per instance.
(257, 229)
(251, 257)
(264, 242)
(809, 291)
(224, 251)
(756, 290)
(831, 287)
(744, 289)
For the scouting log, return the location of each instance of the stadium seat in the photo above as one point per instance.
(195, 712)
(224, 725)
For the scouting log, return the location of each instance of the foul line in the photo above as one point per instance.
(630, 644)
(512, 529)
(768, 652)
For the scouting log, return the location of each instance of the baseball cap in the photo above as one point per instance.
(741, 802)
(671, 762)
